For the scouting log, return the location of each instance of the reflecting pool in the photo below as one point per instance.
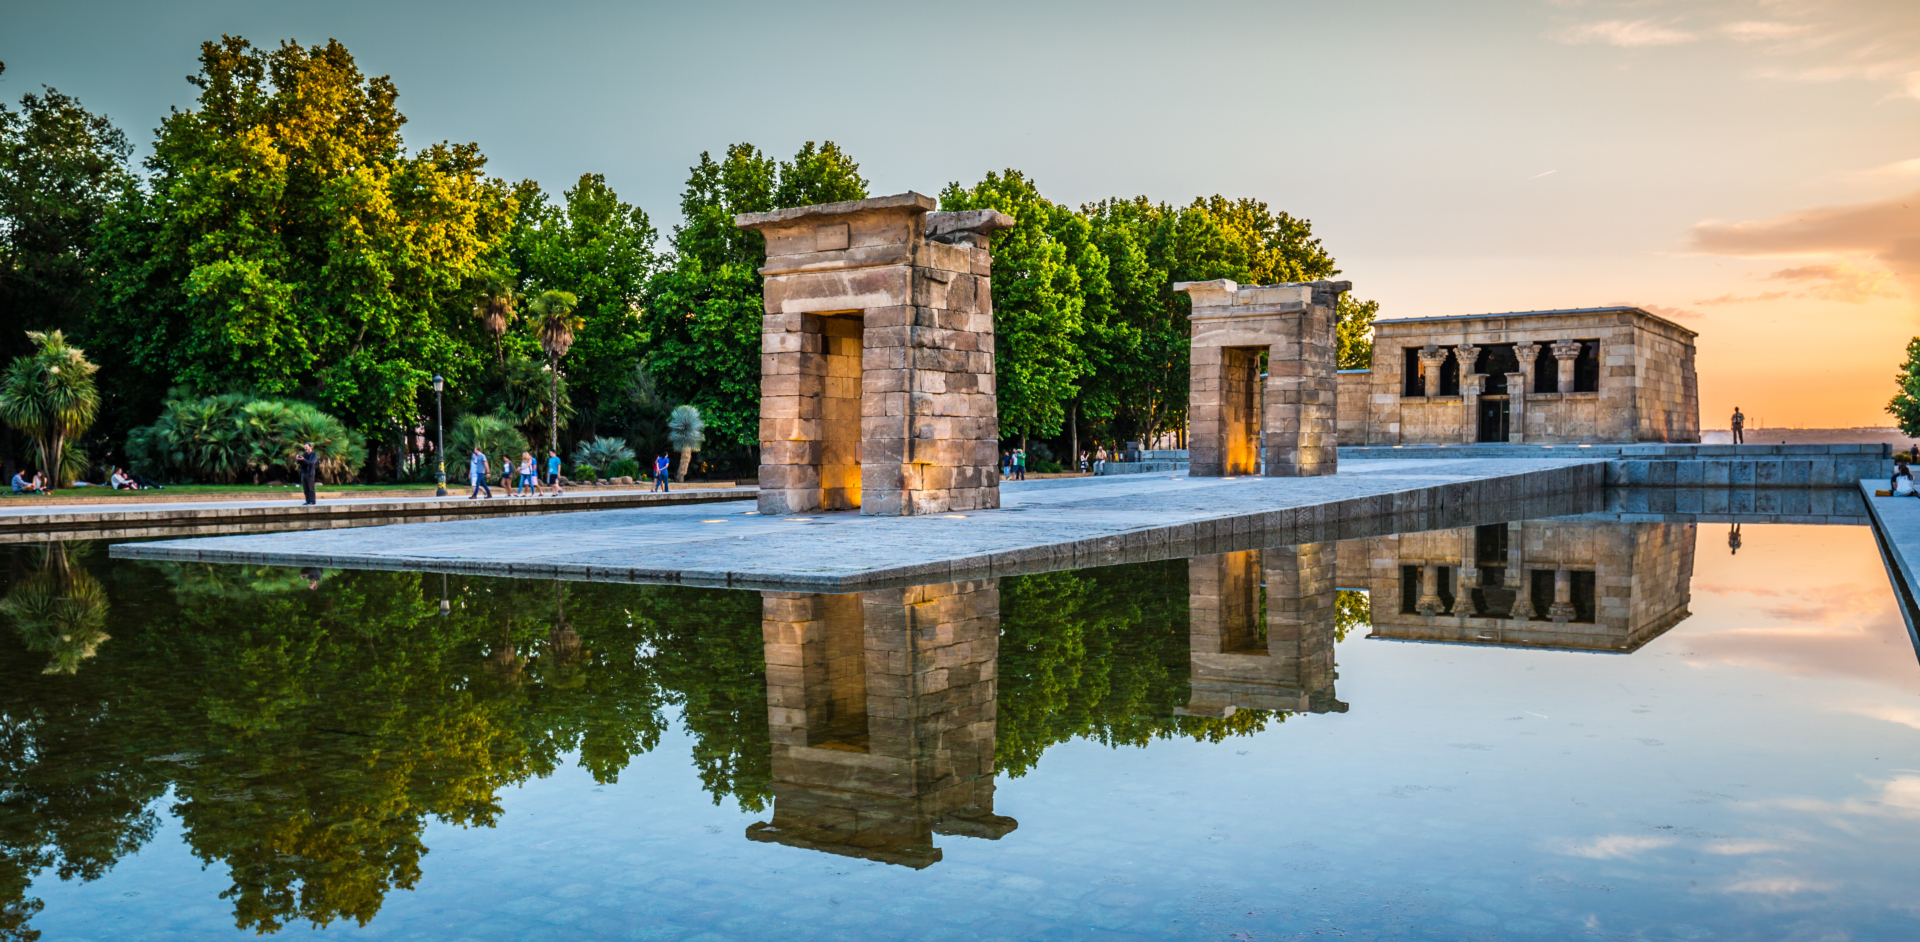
(1567, 728)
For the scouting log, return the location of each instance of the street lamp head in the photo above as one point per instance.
(439, 382)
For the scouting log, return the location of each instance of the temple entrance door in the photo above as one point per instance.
(840, 433)
(1494, 417)
(1241, 403)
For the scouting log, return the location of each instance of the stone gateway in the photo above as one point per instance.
(876, 358)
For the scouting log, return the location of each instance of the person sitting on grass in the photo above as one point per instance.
(25, 485)
(121, 482)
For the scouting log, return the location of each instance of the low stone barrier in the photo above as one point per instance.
(1684, 465)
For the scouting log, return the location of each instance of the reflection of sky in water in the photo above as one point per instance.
(1752, 773)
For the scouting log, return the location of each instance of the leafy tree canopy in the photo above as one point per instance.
(289, 240)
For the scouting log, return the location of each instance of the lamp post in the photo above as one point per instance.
(439, 438)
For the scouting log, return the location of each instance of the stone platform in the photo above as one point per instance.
(1041, 526)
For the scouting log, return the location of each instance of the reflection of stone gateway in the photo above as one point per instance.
(876, 366)
(1577, 585)
(881, 711)
(1282, 663)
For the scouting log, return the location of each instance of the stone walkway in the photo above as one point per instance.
(25, 520)
(1896, 525)
(1041, 525)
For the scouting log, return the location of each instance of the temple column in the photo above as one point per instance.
(1429, 603)
(1518, 579)
(1432, 357)
(1471, 385)
(1518, 385)
(1562, 610)
(1564, 353)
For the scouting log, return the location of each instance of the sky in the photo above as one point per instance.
(1748, 168)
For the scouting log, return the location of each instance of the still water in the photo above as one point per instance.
(1551, 729)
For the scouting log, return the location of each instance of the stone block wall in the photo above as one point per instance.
(1293, 325)
(880, 708)
(908, 292)
(1647, 390)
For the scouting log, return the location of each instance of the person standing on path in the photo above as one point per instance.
(553, 470)
(309, 465)
(661, 465)
(506, 473)
(1019, 464)
(1739, 426)
(477, 470)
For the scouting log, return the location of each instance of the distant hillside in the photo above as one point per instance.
(1810, 436)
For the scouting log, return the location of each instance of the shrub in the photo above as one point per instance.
(495, 436)
(624, 468)
(220, 438)
(602, 452)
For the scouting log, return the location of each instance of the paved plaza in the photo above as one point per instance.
(1040, 525)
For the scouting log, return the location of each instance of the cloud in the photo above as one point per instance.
(1626, 33)
(1780, 886)
(1748, 31)
(1670, 313)
(1742, 847)
(1743, 298)
(1840, 281)
(1615, 845)
(1887, 231)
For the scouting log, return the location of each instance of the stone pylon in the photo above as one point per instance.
(1288, 423)
(876, 358)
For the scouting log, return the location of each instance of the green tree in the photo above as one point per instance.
(603, 251)
(1905, 405)
(50, 396)
(1355, 332)
(703, 314)
(61, 168)
(686, 432)
(290, 241)
(1039, 298)
(557, 325)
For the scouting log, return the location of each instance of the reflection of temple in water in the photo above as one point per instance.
(881, 708)
(1263, 631)
(1582, 585)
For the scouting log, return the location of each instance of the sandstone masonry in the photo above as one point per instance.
(876, 368)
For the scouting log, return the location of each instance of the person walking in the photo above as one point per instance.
(477, 470)
(506, 474)
(553, 470)
(309, 465)
(660, 467)
(1019, 464)
(1739, 426)
(529, 479)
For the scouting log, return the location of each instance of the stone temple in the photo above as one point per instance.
(1614, 375)
(876, 361)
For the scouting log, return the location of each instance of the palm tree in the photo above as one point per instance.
(60, 611)
(495, 312)
(557, 326)
(686, 432)
(49, 394)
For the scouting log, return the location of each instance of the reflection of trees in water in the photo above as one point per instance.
(1101, 654)
(309, 736)
(59, 611)
(1352, 609)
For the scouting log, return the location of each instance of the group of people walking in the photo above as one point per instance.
(521, 480)
(1013, 465)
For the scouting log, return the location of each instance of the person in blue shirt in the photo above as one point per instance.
(660, 466)
(553, 471)
(477, 471)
